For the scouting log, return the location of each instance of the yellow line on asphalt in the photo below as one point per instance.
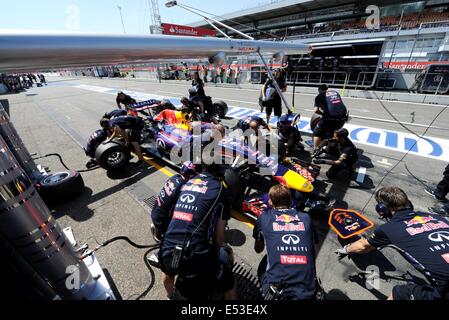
(236, 215)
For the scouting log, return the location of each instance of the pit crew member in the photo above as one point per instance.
(127, 127)
(342, 148)
(124, 99)
(192, 243)
(290, 272)
(329, 104)
(421, 238)
(167, 198)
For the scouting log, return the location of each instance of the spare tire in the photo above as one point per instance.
(314, 120)
(221, 108)
(235, 186)
(61, 186)
(113, 155)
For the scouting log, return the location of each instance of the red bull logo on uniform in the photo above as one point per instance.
(427, 227)
(418, 220)
(291, 223)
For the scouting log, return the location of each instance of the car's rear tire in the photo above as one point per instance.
(221, 108)
(113, 155)
(235, 186)
(314, 120)
(61, 186)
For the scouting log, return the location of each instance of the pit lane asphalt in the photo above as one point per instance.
(58, 118)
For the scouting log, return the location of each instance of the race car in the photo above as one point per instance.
(243, 165)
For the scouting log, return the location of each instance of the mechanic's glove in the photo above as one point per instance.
(342, 252)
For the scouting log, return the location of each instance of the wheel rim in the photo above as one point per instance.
(55, 178)
(115, 159)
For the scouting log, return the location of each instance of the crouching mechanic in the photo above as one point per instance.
(193, 242)
(289, 134)
(421, 238)
(127, 127)
(167, 198)
(334, 114)
(343, 150)
(252, 122)
(290, 273)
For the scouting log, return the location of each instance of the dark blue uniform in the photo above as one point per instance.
(203, 201)
(133, 124)
(289, 240)
(115, 113)
(423, 240)
(244, 123)
(166, 201)
(334, 113)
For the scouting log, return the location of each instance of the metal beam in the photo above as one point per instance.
(46, 50)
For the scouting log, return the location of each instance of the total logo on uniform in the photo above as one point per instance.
(293, 259)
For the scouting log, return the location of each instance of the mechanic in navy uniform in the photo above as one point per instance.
(440, 192)
(329, 104)
(289, 134)
(421, 238)
(124, 99)
(115, 113)
(270, 98)
(289, 239)
(195, 238)
(99, 136)
(129, 128)
(197, 86)
(343, 150)
(167, 198)
(252, 122)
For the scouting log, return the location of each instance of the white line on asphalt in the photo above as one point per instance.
(384, 163)
(390, 121)
(361, 175)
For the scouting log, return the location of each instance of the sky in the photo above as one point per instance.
(104, 16)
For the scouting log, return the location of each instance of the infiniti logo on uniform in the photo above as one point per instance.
(290, 239)
(439, 236)
(189, 198)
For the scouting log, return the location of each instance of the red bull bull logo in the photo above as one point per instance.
(287, 218)
(418, 220)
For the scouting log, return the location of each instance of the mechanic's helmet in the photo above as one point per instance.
(287, 121)
(104, 123)
(188, 169)
(342, 133)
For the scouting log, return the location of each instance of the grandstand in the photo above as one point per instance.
(348, 51)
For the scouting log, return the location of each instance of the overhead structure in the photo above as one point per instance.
(156, 23)
(28, 51)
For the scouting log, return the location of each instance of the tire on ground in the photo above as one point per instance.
(235, 186)
(61, 186)
(113, 155)
(221, 108)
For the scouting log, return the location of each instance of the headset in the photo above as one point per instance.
(382, 209)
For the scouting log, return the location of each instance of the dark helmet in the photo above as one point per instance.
(188, 169)
(342, 133)
(104, 123)
(287, 121)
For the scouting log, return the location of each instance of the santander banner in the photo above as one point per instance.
(177, 30)
(411, 65)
